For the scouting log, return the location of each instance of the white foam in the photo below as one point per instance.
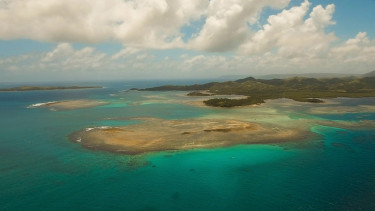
(93, 128)
(104, 127)
(39, 104)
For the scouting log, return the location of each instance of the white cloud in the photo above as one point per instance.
(135, 23)
(294, 39)
(355, 50)
(226, 23)
(158, 23)
(53, 20)
(142, 23)
(127, 51)
(65, 57)
(291, 35)
(356, 54)
(142, 57)
(60, 52)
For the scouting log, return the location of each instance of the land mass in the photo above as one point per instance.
(42, 88)
(69, 104)
(164, 135)
(256, 91)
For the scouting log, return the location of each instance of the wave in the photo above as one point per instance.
(100, 127)
(40, 104)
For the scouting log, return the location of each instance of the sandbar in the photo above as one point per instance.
(343, 109)
(69, 104)
(154, 135)
(47, 88)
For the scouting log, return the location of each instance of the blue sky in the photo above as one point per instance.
(171, 39)
(352, 17)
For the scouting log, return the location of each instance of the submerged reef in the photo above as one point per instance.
(69, 104)
(163, 135)
(45, 88)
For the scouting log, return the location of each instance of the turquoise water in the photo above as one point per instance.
(41, 170)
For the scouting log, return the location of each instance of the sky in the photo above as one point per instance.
(67, 40)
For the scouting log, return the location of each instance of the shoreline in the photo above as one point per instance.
(47, 88)
(158, 135)
(69, 104)
(300, 89)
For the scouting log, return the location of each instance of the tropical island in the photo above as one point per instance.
(256, 91)
(45, 88)
(69, 104)
(154, 135)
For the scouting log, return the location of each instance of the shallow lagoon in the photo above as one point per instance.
(41, 169)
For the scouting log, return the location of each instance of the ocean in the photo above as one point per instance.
(40, 169)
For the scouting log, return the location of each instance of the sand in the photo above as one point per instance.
(163, 135)
(343, 109)
(69, 104)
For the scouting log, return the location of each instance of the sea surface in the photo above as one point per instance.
(40, 169)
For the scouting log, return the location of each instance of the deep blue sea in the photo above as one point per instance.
(40, 169)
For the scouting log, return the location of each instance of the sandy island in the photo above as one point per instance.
(164, 135)
(69, 104)
(47, 88)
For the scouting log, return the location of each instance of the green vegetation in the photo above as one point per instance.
(369, 74)
(314, 100)
(225, 102)
(196, 93)
(297, 88)
(42, 88)
(181, 88)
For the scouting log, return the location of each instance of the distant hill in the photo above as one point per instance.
(369, 74)
(303, 89)
(309, 75)
(230, 77)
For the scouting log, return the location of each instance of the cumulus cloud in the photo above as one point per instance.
(127, 51)
(227, 21)
(294, 39)
(62, 51)
(54, 21)
(144, 23)
(357, 49)
(203, 63)
(158, 24)
(293, 36)
(65, 57)
(357, 54)
(136, 23)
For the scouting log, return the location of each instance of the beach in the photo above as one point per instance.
(69, 104)
(156, 135)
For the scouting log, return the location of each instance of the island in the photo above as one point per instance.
(256, 91)
(45, 88)
(199, 94)
(232, 127)
(69, 104)
(154, 135)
